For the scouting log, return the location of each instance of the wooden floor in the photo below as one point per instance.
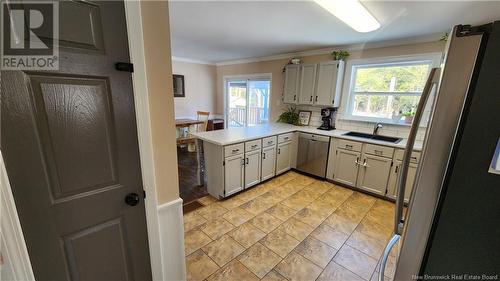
(292, 227)
(188, 189)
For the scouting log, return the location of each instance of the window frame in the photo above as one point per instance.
(434, 60)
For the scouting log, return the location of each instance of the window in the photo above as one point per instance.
(247, 100)
(387, 92)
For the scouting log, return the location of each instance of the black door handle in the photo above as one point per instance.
(132, 199)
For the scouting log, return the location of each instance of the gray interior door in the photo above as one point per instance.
(70, 145)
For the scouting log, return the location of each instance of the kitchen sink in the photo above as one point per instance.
(373, 137)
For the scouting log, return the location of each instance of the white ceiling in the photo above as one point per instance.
(217, 31)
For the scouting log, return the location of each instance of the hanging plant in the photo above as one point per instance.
(340, 55)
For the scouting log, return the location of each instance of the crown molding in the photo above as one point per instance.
(188, 60)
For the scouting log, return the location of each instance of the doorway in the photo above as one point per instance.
(247, 100)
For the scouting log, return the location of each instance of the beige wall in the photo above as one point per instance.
(276, 67)
(156, 34)
(200, 89)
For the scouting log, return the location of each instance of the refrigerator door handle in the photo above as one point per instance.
(394, 240)
(401, 183)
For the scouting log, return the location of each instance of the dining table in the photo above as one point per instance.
(186, 123)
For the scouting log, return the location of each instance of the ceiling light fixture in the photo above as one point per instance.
(352, 12)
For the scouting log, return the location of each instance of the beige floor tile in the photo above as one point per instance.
(341, 223)
(307, 195)
(322, 207)
(238, 216)
(194, 240)
(231, 203)
(296, 267)
(374, 230)
(335, 272)
(303, 179)
(318, 187)
(292, 187)
(233, 271)
(281, 212)
(256, 206)
(259, 259)
(296, 228)
(199, 266)
(274, 276)
(207, 200)
(223, 250)
(280, 242)
(296, 202)
(286, 190)
(366, 244)
(361, 200)
(310, 217)
(281, 179)
(266, 222)
(356, 261)
(271, 197)
(390, 267)
(247, 234)
(211, 211)
(216, 228)
(351, 212)
(330, 236)
(385, 220)
(316, 251)
(193, 220)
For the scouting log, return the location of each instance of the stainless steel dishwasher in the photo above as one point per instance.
(312, 154)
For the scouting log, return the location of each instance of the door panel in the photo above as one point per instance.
(391, 187)
(233, 174)
(374, 174)
(268, 162)
(69, 139)
(327, 80)
(307, 83)
(291, 84)
(283, 158)
(252, 168)
(346, 169)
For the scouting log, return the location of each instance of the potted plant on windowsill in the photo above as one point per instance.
(290, 116)
(340, 55)
(409, 116)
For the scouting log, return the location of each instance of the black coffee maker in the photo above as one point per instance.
(328, 117)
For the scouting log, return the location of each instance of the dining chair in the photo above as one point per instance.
(200, 116)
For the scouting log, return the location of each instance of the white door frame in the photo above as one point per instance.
(10, 225)
(227, 78)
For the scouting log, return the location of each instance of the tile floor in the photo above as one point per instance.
(292, 227)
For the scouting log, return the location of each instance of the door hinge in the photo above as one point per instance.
(144, 193)
(124, 66)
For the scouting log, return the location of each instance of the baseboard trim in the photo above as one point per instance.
(172, 240)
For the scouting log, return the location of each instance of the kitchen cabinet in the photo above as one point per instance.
(252, 168)
(291, 87)
(374, 173)
(307, 83)
(412, 171)
(346, 167)
(329, 83)
(234, 173)
(268, 162)
(283, 157)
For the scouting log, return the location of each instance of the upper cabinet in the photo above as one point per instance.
(291, 88)
(314, 83)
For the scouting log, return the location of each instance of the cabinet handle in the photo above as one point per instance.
(254, 146)
(247, 161)
(348, 146)
(311, 99)
(365, 165)
(286, 138)
(378, 151)
(357, 161)
(269, 142)
(235, 150)
(243, 162)
(279, 151)
(263, 156)
(294, 97)
(397, 168)
(316, 100)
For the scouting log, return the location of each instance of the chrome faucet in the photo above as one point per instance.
(376, 128)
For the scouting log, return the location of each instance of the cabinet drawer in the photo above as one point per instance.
(415, 156)
(269, 141)
(349, 145)
(252, 145)
(379, 150)
(233, 149)
(285, 137)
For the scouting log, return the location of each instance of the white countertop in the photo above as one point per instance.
(236, 135)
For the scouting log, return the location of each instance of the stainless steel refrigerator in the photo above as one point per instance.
(451, 228)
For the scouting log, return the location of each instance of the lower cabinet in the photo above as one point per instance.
(346, 167)
(234, 167)
(412, 171)
(283, 157)
(252, 168)
(268, 162)
(374, 173)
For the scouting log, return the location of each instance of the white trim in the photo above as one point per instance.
(172, 239)
(346, 100)
(188, 60)
(141, 98)
(12, 244)
(254, 76)
(351, 47)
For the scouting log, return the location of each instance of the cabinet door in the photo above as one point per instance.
(307, 83)
(327, 82)
(233, 174)
(412, 171)
(374, 173)
(268, 162)
(291, 89)
(283, 158)
(346, 169)
(252, 168)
